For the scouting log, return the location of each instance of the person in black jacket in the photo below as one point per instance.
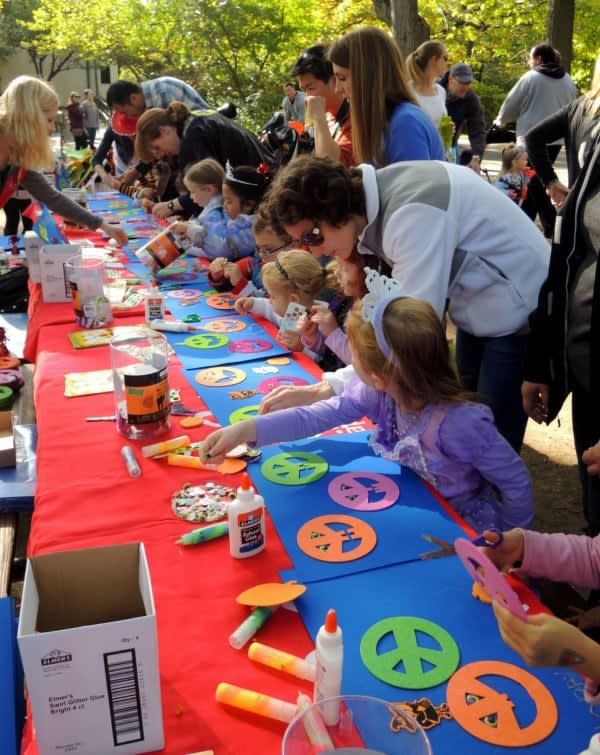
(564, 351)
(464, 107)
(191, 137)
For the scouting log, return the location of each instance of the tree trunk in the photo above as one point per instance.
(561, 14)
(409, 29)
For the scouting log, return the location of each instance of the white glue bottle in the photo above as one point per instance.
(154, 305)
(329, 660)
(246, 516)
(594, 746)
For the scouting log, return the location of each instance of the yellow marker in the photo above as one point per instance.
(178, 460)
(282, 661)
(255, 702)
(166, 445)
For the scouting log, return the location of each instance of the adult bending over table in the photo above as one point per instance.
(447, 236)
(28, 108)
(191, 137)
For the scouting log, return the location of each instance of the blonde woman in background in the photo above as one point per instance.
(387, 124)
(28, 108)
(425, 65)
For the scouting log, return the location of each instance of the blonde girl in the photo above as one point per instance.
(406, 385)
(387, 124)
(424, 66)
(28, 108)
(204, 181)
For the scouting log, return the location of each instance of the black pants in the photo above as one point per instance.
(13, 210)
(586, 433)
(538, 202)
(81, 140)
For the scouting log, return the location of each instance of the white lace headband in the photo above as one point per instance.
(382, 290)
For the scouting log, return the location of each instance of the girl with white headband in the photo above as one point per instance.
(423, 418)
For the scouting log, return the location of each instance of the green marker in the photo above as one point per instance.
(202, 534)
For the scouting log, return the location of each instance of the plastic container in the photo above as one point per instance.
(363, 727)
(87, 276)
(329, 660)
(141, 386)
(246, 516)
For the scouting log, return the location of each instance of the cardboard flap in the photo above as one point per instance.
(88, 586)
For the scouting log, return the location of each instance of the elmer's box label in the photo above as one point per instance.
(250, 528)
(33, 244)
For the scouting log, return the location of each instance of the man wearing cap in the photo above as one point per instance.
(464, 106)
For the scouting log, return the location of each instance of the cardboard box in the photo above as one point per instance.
(8, 451)
(87, 637)
(33, 244)
(53, 276)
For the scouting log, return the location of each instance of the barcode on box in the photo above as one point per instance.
(124, 696)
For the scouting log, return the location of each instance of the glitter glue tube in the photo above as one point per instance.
(178, 460)
(282, 661)
(202, 534)
(166, 445)
(255, 702)
(131, 462)
(250, 626)
(314, 726)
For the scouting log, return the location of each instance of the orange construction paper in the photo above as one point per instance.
(502, 727)
(271, 594)
(232, 466)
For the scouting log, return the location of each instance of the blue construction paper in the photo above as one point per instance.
(440, 591)
(194, 358)
(11, 681)
(218, 399)
(399, 527)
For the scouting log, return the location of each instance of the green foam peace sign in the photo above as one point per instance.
(297, 468)
(390, 651)
(204, 341)
(244, 412)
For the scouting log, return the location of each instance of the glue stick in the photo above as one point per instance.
(166, 445)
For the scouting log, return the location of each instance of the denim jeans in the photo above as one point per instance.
(91, 135)
(494, 367)
(586, 433)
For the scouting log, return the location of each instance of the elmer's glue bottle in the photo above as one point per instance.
(329, 659)
(593, 747)
(246, 516)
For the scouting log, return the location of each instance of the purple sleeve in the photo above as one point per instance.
(358, 400)
(338, 343)
(570, 558)
(471, 437)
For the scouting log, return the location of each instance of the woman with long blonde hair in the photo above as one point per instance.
(28, 108)
(425, 65)
(387, 124)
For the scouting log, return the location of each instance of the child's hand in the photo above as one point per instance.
(147, 193)
(308, 331)
(510, 552)
(324, 318)
(291, 339)
(216, 268)
(244, 304)
(219, 443)
(585, 619)
(179, 227)
(541, 640)
(591, 458)
(233, 273)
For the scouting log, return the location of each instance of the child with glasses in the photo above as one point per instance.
(243, 277)
(423, 418)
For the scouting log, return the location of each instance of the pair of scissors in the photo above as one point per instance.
(446, 548)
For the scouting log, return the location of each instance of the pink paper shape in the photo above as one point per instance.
(347, 491)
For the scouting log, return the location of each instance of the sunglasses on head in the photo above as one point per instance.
(313, 238)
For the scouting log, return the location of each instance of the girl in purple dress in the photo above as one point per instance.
(423, 418)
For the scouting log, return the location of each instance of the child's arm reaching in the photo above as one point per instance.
(243, 305)
(220, 442)
(180, 227)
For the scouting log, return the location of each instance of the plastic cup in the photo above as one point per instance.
(141, 386)
(86, 277)
(367, 726)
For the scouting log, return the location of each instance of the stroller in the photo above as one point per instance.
(283, 140)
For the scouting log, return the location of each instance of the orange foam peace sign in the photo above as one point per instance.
(489, 715)
(336, 538)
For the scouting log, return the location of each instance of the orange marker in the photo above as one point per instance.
(178, 460)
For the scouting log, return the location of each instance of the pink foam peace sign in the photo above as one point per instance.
(250, 345)
(270, 383)
(184, 293)
(363, 491)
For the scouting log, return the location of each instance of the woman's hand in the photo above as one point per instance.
(244, 304)
(115, 232)
(591, 458)
(324, 319)
(219, 443)
(294, 395)
(509, 552)
(291, 339)
(162, 210)
(535, 400)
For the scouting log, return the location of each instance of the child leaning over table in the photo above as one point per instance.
(423, 419)
(542, 639)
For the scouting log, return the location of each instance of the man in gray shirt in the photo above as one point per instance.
(293, 103)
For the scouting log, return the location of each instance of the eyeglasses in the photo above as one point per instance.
(314, 238)
(266, 251)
